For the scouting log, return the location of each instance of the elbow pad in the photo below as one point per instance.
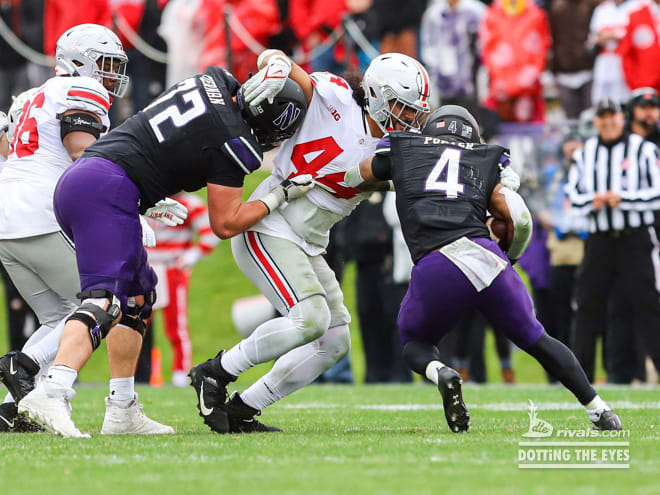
(522, 223)
(80, 122)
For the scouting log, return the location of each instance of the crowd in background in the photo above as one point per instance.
(532, 73)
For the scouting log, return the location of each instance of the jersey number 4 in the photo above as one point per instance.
(449, 159)
(194, 106)
(26, 135)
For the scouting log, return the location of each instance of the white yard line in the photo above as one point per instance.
(488, 406)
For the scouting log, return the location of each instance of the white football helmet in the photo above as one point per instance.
(393, 78)
(16, 109)
(93, 51)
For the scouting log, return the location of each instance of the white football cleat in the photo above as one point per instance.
(53, 411)
(130, 420)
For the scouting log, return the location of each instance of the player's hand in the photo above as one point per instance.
(148, 235)
(189, 258)
(510, 179)
(169, 211)
(288, 190)
(269, 81)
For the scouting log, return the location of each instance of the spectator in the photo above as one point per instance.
(640, 47)
(515, 40)
(13, 77)
(60, 15)
(183, 33)
(177, 250)
(607, 27)
(398, 27)
(644, 114)
(572, 62)
(449, 48)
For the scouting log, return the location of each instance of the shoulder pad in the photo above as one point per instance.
(85, 93)
(332, 87)
(225, 76)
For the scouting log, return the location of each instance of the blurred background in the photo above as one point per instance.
(531, 72)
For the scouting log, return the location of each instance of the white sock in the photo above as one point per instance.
(596, 407)
(122, 390)
(62, 376)
(298, 367)
(43, 350)
(432, 370)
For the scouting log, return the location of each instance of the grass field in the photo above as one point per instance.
(337, 439)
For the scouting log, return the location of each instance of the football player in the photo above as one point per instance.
(49, 127)
(194, 135)
(4, 141)
(282, 254)
(446, 180)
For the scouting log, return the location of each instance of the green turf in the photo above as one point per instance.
(331, 445)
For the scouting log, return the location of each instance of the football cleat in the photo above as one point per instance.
(241, 418)
(456, 412)
(210, 381)
(130, 420)
(17, 372)
(53, 412)
(607, 420)
(11, 422)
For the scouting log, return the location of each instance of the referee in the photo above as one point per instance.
(615, 181)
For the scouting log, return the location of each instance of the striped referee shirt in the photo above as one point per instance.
(630, 168)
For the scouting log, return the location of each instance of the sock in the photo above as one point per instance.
(299, 367)
(61, 376)
(506, 364)
(432, 370)
(234, 361)
(43, 350)
(596, 407)
(122, 390)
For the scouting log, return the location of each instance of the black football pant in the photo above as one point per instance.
(624, 266)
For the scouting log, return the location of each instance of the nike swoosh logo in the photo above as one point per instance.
(11, 425)
(12, 371)
(202, 406)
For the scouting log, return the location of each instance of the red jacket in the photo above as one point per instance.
(60, 15)
(640, 50)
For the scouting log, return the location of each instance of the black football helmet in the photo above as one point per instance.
(277, 121)
(453, 120)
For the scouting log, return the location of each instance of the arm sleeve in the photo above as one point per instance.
(381, 165)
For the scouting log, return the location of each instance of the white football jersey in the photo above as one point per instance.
(38, 158)
(333, 138)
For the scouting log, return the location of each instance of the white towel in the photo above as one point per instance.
(478, 264)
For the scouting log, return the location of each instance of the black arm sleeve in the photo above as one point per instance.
(381, 167)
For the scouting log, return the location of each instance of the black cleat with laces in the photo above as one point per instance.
(210, 381)
(608, 420)
(456, 412)
(241, 418)
(11, 422)
(17, 372)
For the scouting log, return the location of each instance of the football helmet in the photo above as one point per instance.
(16, 109)
(453, 120)
(277, 121)
(93, 51)
(394, 78)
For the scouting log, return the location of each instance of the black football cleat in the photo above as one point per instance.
(608, 420)
(456, 412)
(11, 422)
(241, 418)
(210, 381)
(17, 372)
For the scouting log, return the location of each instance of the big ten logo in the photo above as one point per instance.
(334, 112)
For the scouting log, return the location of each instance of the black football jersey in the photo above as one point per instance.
(189, 136)
(443, 186)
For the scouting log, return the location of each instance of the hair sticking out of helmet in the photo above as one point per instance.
(274, 122)
(453, 120)
(397, 91)
(93, 51)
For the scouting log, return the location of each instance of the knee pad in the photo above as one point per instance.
(91, 313)
(311, 316)
(134, 323)
(336, 342)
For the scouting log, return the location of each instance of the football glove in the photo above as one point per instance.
(288, 190)
(169, 211)
(509, 178)
(189, 258)
(148, 235)
(269, 81)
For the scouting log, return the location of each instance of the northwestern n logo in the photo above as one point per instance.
(287, 117)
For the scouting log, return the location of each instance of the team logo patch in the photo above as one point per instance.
(287, 117)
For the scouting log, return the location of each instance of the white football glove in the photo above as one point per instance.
(148, 235)
(189, 258)
(509, 178)
(288, 190)
(169, 211)
(269, 81)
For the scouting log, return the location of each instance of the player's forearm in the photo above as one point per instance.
(239, 220)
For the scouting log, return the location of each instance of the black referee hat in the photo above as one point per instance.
(607, 105)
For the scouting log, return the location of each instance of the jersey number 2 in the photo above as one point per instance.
(190, 94)
(450, 159)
